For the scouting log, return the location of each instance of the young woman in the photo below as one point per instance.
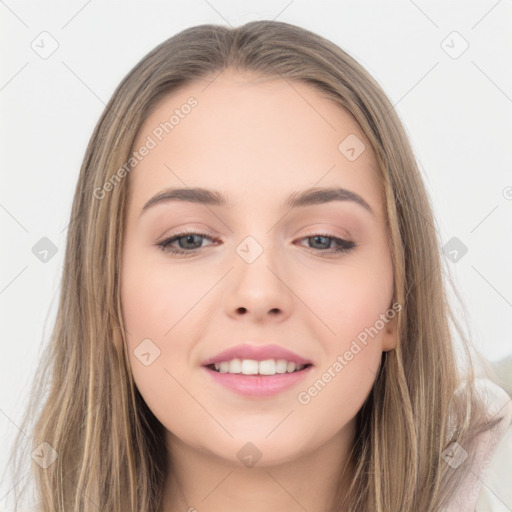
(253, 311)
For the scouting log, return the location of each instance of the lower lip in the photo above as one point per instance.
(258, 385)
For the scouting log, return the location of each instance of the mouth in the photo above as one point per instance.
(257, 371)
(257, 379)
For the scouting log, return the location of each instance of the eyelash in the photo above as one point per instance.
(344, 246)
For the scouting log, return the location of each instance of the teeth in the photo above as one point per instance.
(290, 367)
(235, 366)
(253, 367)
(249, 367)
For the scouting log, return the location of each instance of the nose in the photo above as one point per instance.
(258, 284)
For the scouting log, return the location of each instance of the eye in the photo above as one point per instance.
(188, 242)
(324, 241)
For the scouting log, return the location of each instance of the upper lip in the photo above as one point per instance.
(256, 352)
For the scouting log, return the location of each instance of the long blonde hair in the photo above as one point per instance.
(110, 447)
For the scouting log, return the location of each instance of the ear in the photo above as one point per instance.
(390, 333)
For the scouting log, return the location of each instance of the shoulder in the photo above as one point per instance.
(498, 414)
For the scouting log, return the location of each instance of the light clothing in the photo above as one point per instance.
(476, 492)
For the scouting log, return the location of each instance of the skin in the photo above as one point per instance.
(256, 141)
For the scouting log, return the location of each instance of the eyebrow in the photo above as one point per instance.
(308, 197)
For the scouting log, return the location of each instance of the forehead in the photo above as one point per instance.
(242, 132)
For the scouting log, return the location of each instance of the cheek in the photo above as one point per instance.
(349, 297)
(154, 305)
(351, 302)
(147, 303)
(168, 305)
(157, 299)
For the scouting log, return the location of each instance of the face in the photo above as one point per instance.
(314, 278)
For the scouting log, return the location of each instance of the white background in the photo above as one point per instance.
(457, 113)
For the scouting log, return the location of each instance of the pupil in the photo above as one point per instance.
(189, 239)
(317, 238)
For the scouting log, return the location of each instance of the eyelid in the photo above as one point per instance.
(328, 231)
